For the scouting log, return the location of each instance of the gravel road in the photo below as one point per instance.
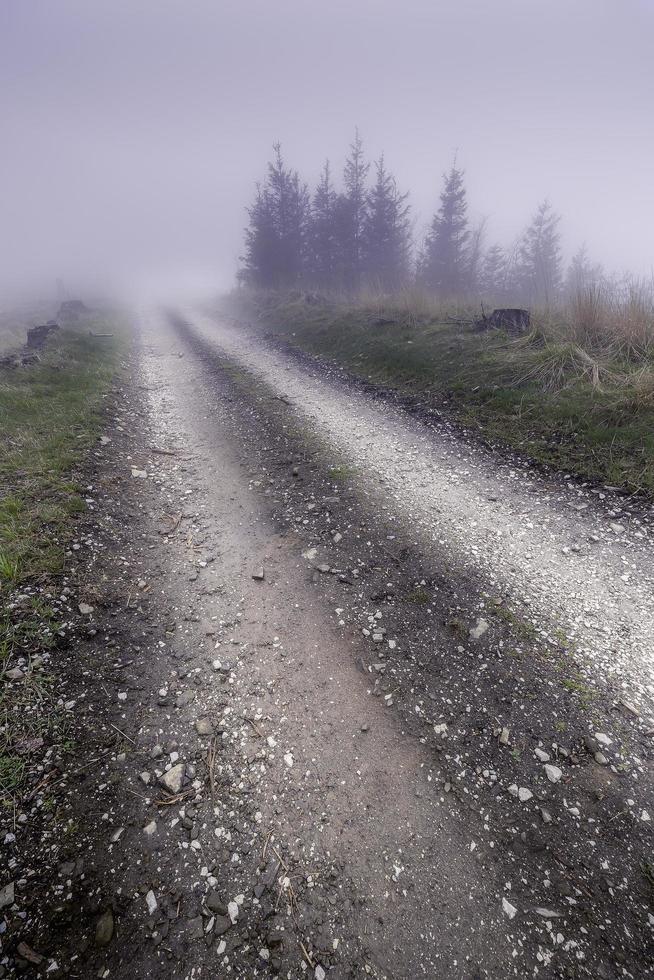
(355, 697)
(574, 559)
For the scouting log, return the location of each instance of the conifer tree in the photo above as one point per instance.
(493, 275)
(275, 240)
(323, 244)
(386, 234)
(351, 216)
(538, 266)
(445, 266)
(582, 274)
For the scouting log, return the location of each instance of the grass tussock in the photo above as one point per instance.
(576, 393)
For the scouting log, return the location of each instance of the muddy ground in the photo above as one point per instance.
(312, 738)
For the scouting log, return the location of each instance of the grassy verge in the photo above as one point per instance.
(547, 395)
(50, 415)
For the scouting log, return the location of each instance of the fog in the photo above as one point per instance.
(133, 131)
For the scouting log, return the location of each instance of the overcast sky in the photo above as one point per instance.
(133, 131)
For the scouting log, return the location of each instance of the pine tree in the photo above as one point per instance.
(539, 257)
(260, 242)
(494, 273)
(386, 234)
(323, 245)
(351, 216)
(275, 241)
(582, 274)
(445, 265)
(475, 256)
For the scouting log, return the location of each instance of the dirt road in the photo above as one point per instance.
(387, 697)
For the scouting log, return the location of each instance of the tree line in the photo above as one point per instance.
(361, 235)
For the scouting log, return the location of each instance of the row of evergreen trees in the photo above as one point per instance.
(361, 235)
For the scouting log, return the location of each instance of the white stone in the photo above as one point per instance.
(172, 780)
(509, 909)
(553, 773)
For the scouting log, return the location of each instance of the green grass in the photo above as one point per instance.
(50, 416)
(579, 411)
(50, 413)
(420, 596)
(341, 473)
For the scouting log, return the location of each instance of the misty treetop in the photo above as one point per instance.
(359, 235)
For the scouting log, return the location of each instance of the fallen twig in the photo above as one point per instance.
(307, 955)
(265, 846)
(256, 727)
(211, 760)
(123, 733)
(174, 799)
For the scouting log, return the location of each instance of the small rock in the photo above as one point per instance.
(504, 736)
(15, 674)
(203, 726)
(85, 609)
(150, 828)
(7, 895)
(173, 779)
(478, 629)
(196, 927)
(541, 755)
(104, 928)
(214, 902)
(258, 575)
(151, 902)
(553, 773)
(509, 909)
(222, 924)
(27, 953)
